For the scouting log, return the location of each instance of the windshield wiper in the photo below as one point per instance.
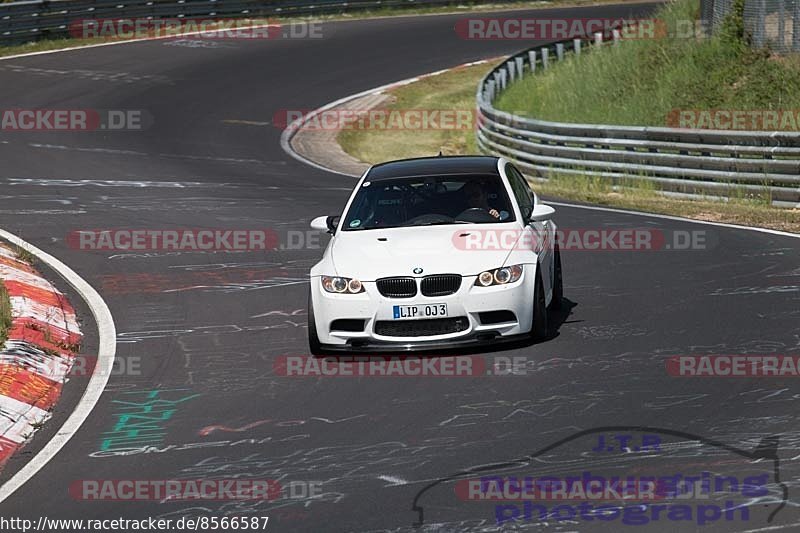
(373, 227)
(443, 223)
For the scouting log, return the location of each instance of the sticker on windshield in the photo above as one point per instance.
(355, 223)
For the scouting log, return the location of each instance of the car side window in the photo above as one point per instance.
(522, 192)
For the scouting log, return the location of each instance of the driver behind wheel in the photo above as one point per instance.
(477, 198)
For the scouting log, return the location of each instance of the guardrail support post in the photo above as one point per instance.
(511, 73)
(545, 58)
(532, 60)
(707, 14)
(503, 78)
(616, 35)
(796, 27)
(520, 65)
(759, 32)
(598, 38)
(560, 51)
(576, 45)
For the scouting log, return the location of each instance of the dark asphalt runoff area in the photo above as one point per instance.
(378, 453)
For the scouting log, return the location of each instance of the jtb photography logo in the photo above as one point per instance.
(623, 475)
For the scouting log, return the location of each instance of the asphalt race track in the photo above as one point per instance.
(208, 327)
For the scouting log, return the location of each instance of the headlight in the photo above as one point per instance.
(340, 285)
(500, 276)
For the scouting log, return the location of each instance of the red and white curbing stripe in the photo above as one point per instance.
(38, 355)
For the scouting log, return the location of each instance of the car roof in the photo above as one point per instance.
(434, 166)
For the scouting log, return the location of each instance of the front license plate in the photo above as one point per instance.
(408, 312)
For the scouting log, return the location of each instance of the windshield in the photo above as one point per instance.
(427, 201)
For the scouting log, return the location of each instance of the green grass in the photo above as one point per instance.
(453, 91)
(23, 254)
(641, 81)
(5, 303)
(643, 196)
(5, 314)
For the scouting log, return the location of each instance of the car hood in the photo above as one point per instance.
(372, 254)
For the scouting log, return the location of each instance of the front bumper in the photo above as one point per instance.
(468, 303)
(476, 341)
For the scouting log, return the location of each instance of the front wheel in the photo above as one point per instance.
(539, 321)
(313, 340)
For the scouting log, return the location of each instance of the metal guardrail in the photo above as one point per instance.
(677, 161)
(40, 19)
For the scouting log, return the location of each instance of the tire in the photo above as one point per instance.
(539, 320)
(558, 283)
(313, 340)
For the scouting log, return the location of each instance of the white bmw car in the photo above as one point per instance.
(435, 253)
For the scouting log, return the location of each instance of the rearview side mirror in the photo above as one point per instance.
(325, 223)
(542, 212)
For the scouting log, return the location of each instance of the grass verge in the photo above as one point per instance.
(642, 197)
(456, 90)
(456, 7)
(5, 314)
(642, 81)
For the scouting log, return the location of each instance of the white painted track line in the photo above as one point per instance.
(677, 218)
